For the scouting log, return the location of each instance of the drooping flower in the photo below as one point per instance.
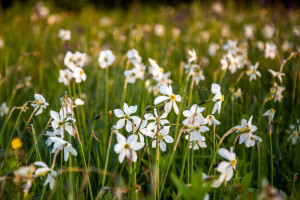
(170, 96)
(226, 168)
(270, 113)
(276, 74)
(127, 147)
(45, 170)
(62, 145)
(249, 139)
(211, 120)
(126, 118)
(106, 58)
(25, 174)
(39, 102)
(218, 98)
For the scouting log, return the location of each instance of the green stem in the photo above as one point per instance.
(184, 159)
(258, 174)
(271, 148)
(215, 154)
(106, 160)
(85, 166)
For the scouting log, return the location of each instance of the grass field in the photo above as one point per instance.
(66, 132)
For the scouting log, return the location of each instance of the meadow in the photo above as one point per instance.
(197, 101)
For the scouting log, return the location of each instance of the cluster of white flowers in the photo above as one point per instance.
(247, 129)
(74, 63)
(154, 74)
(194, 67)
(235, 58)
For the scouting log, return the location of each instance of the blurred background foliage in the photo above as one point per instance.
(125, 4)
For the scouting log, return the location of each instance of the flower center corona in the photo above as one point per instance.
(126, 117)
(172, 97)
(126, 146)
(233, 162)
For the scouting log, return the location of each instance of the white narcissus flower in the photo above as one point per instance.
(198, 142)
(218, 98)
(153, 125)
(193, 56)
(62, 144)
(170, 96)
(133, 56)
(253, 72)
(270, 50)
(211, 120)
(69, 60)
(268, 31)
(226, 167)
(65, 76)
(64, 34)
(43, 170)
(249, 139)
(247, 130)
(126, 118)
(79, 75)
(127, 147)
(142, 131)
(276, 92)
(248, 31)
(212, 49)
(162, 138)
(246, 126)
(3, 109)
(196, 129)
(156, 71)
(270, 113)
(231, 46)
(137, 72)
(276, 74)
(61, 122)
(76, 59)
(106, 58)
(193, 114)
(25, 174)
(39, 102)
(78, 102)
